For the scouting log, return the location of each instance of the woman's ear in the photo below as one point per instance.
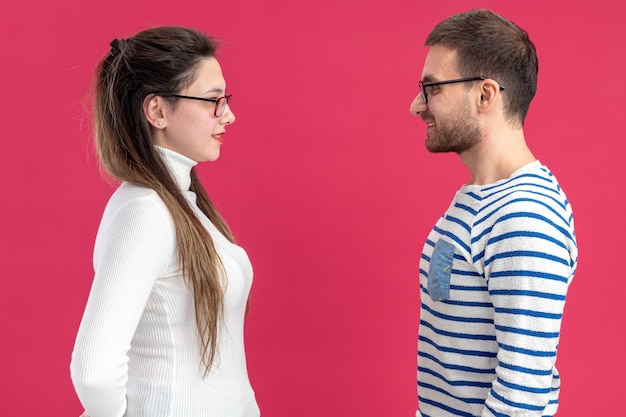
(153, 109)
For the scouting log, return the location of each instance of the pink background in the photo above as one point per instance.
(323, 178)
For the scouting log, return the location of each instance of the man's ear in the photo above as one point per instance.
(153, 109)
(488, 93)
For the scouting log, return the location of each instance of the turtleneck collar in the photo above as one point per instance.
(179, 166)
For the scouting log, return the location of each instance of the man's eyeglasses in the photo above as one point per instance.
(424, 86)
(220, 102)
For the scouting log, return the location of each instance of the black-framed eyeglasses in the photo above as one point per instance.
(424, 86)
(220, 102)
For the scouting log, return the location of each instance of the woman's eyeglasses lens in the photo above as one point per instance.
(220, 105)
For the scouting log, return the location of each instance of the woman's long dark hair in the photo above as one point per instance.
(161, 59)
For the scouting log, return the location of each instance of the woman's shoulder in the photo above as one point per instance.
(128, 193)
(136, 203)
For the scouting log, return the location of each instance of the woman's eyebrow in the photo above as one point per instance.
(214, 90)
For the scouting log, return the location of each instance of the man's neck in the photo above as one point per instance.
(496, 157)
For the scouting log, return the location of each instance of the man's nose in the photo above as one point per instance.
(418, 105)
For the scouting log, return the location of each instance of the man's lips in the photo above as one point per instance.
(428, 119)
(430, 124)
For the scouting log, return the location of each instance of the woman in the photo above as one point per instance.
(162, 332)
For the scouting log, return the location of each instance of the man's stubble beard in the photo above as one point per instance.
(458, 133)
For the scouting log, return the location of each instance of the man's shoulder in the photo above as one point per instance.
(529, 201)
(532, 187)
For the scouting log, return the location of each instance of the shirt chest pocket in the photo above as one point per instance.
(439, 271)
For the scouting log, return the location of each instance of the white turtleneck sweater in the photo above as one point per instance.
(137, 351)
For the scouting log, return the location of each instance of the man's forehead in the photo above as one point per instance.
(440, 63)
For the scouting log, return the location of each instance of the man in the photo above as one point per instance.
(495, 269)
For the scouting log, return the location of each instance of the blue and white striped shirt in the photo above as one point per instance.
(494, 274)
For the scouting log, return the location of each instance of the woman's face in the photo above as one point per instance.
(190, 127)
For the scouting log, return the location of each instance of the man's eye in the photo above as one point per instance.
(432, 89)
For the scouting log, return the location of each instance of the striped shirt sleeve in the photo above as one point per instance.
(527, 266)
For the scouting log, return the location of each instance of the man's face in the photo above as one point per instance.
(452, 126)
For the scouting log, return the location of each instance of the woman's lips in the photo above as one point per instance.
(218, 137)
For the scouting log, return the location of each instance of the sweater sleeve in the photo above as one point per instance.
(134, 246)
(529, 264)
